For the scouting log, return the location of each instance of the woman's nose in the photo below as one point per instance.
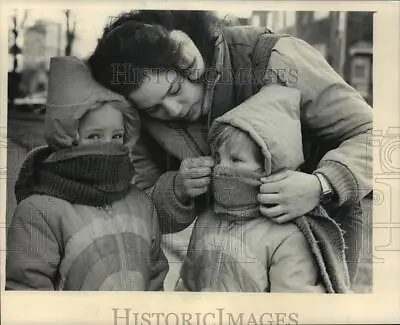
(172, 107)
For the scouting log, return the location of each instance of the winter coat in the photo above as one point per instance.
(55, 245)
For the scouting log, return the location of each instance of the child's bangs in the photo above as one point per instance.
(225, 134)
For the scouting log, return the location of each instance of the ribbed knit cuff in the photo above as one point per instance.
(174, 215)
(342, 180)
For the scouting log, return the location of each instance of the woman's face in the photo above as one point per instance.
(168, 95)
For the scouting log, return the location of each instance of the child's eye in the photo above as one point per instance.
(94, 136)
(118, 136)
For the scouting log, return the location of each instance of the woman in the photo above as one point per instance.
(181, 70)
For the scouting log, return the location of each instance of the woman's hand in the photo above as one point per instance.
(193, 178)
(287, 195)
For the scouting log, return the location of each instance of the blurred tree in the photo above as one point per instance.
(14, 76)
(70, 33)
(14, 49)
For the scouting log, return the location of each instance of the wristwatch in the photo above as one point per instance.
(326, 189)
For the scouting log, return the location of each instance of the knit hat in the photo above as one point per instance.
(72, 93)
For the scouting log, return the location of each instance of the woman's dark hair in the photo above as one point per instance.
(137, 41)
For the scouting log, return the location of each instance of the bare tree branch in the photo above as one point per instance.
(69, 33)
(22, 25)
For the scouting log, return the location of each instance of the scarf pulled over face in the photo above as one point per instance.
(235, 193)
(95, 175)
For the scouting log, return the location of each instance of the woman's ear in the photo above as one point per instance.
(189, 52)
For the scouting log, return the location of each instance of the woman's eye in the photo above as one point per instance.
(152, 109)
(236, 159)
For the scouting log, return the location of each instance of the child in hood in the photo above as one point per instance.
(234, 248)
(80, 224)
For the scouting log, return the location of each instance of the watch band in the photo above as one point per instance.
(326, 189)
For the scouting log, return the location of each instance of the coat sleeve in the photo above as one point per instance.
(293, 268)
(333, 112)
(173, 215)
(33, 252)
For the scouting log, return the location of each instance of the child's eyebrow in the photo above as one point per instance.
(97, 129)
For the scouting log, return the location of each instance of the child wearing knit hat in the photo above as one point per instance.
(80, 223)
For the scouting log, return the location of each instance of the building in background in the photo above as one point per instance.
(343, 38)
(275, 20)
(41, 42)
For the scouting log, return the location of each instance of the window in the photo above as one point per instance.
(359, 69)
(360, 75)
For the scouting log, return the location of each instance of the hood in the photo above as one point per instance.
(29, 172)
(272, 119)
(71, 94)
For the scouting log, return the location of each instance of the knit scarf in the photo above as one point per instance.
(235, 199)
(235, 193)
(95, 175)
